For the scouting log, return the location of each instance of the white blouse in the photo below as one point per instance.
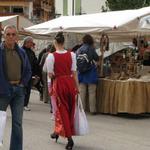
(50, 60)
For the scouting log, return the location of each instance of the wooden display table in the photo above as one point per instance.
(115, 96)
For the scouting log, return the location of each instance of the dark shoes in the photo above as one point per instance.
(54, 136)
(70, 144)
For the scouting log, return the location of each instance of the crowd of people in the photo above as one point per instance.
(54, 74)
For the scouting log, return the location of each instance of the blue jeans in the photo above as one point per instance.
(16, 102)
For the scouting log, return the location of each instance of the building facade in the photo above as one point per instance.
(10, 7)
(43, 10)
(34, 10)
(37, 8)
(94, 6)
(78, 7)
(47, 9)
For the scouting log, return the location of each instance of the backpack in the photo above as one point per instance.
(83, 62)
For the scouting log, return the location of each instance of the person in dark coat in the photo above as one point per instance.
(27, 46)
(43, 51)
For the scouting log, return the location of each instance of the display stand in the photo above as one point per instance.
(104, 46)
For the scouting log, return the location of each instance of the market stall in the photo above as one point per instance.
(116, 92)
(125, 87)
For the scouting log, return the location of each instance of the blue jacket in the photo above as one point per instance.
(25, 74)
(91, 76)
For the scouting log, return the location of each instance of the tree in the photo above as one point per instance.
(125, 4)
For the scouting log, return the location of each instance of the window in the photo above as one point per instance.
(18, 10)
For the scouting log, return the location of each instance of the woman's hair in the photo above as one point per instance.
(60, 38)
(88, 39)
(51, 48)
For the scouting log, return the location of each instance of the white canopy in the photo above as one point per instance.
(18, 21)
(145, 22)
(5, 18)
(126, 20)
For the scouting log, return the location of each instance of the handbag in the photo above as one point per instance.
(2, 125)
(80, 120)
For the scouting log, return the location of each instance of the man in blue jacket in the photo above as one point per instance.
(15, 72)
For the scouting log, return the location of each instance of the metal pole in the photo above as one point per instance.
(17, 22)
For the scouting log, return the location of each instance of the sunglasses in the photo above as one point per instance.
(10, 34)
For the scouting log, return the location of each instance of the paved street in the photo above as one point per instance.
(106, 132)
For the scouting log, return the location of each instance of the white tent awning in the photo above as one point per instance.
(126, 20)
(5, 18)
(145, 22)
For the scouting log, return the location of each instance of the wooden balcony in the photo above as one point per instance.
(16, 0)
(47, 5)
(23, 3)
(10, 14)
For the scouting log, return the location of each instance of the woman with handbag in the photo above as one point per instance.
(62, 68)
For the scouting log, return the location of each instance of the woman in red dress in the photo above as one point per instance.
(62, 67)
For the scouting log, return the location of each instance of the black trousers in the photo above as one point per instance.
(39, 87)
(27, 93)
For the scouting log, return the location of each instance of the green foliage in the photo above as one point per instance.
(125, 4)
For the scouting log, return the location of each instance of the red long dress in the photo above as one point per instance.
(64, 90)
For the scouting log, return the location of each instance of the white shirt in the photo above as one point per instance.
(50, 60)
